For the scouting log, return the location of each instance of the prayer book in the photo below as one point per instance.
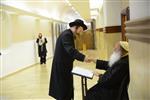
(82, 72)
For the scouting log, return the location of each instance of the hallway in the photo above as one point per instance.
(27, 84)
(106, 22)
(32, 83)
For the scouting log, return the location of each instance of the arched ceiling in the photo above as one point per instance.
(55, 9)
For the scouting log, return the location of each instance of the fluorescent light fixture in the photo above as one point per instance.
(76, 12)
(73, 8)
(70, 4)
(67, 1)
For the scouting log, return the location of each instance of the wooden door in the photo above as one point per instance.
(125, 16)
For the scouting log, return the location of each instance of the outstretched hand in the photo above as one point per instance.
(88, 60)
(96, 73)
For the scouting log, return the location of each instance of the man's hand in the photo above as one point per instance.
(93, 60)
(96, 73)
(88, 60)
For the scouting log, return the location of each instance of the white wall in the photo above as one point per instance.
(18, 41)
(149, 8)
(139, 8)
(100, 19)
(5, 34)
(125, 3)
(49, 47)
(139, 54)
(112, 9)
(17, 56)
(21, 55)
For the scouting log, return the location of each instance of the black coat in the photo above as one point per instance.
(113, 85)
(61, 82)
(42, 48)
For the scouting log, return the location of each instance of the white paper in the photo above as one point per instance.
(82, 72)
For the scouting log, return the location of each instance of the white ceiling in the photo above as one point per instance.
(83, 7)
(56, 9)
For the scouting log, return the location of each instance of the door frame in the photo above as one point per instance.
(125, 16)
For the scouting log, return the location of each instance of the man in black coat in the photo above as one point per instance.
(113, 84)
(61, 81)
(42, 51)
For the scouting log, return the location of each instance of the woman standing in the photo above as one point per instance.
(42, 48)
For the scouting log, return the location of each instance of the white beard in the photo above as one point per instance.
(116, 55)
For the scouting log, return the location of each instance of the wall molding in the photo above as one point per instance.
(138, 29)
(110, 29)
(99, 29)
(27, 67)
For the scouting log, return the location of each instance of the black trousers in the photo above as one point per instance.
(43, 59)
(66, 99)
(94, 93)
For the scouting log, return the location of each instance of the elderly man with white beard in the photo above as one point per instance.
(113, 84)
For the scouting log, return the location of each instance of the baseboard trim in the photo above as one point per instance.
(1, 78)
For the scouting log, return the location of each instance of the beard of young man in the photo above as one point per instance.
(116, 56)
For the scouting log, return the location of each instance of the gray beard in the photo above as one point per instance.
(116, 56)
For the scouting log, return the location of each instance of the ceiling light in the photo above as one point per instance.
(73, 8)
(67, 1)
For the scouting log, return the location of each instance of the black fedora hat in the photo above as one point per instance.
(78, 22)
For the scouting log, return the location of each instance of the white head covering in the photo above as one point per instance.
(124, 45)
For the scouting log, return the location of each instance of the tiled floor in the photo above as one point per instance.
(33, 82)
